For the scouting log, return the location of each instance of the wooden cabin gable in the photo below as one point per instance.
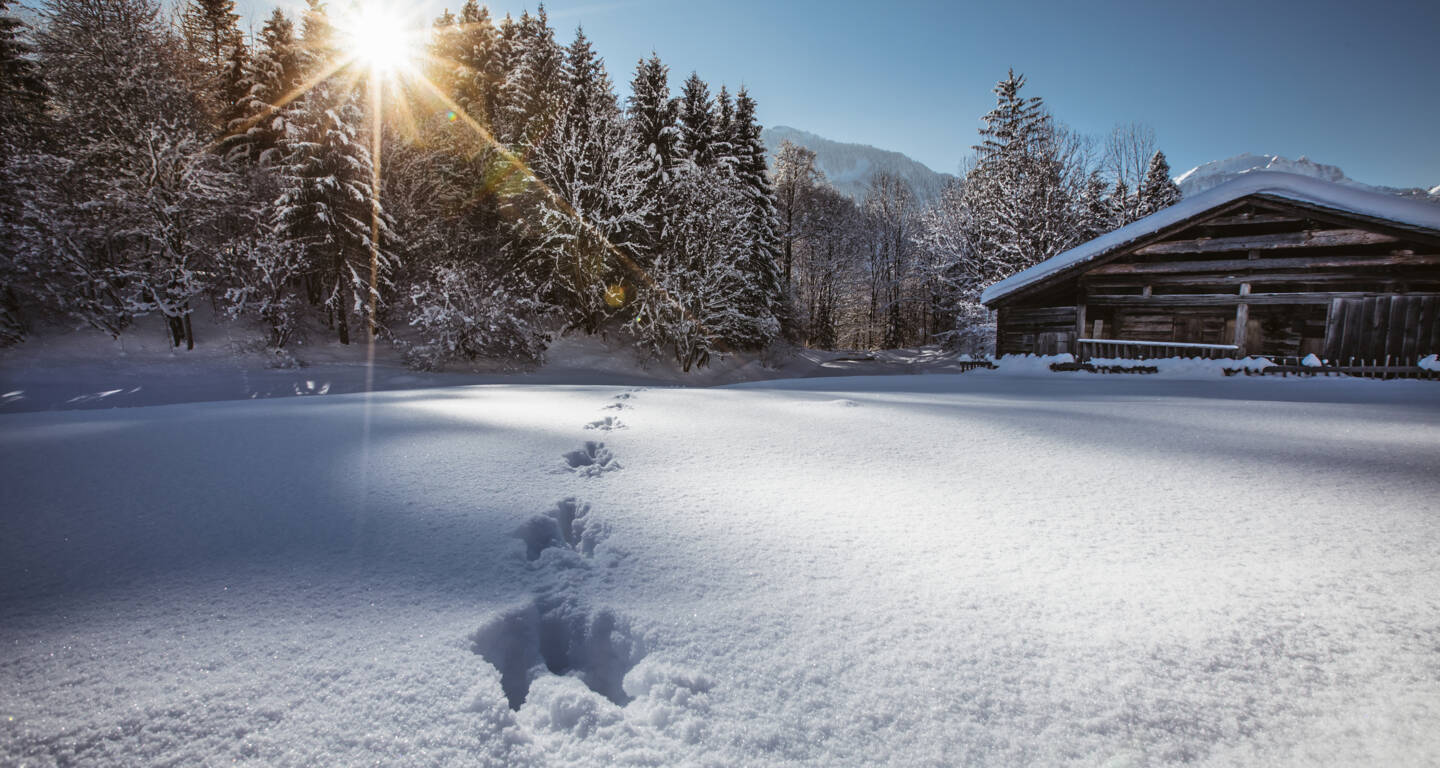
(1267, 276)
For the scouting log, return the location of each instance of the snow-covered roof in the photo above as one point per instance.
(1405, 212)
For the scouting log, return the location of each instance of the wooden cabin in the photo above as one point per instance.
(1268, 264)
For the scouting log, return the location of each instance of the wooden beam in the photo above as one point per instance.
(1220, 299)
(1317, 238)
(1249, 218)
(1244, 265)
(1140, 281)
(1242, 319)
(1343, 219)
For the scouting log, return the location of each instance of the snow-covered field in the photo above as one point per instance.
(975, 569)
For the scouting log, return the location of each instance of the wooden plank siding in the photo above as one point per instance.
(1402, 328)
(1263, 275)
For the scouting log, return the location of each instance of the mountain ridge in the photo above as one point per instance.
(849, 166)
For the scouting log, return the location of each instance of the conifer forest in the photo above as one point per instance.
(494, 192)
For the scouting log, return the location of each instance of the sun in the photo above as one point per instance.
(378, 37)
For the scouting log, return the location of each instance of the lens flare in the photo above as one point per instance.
(615, 295)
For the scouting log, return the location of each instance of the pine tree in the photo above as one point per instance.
(532, 97)
(1121, 204)
(653, 131)
(211, 32)
(468, 62)
(725, 145)
(690, 305)
(1096, 213)
(327, 204)
(1157, 191)
(319, 50)
(272, 82)
(234, 90)
(696, 121)
(1021, 210)
(593, 199)
(764, 301)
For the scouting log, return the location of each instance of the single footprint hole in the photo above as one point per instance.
(567, 526)
(591, 458)
(557, 636)
(606, 424)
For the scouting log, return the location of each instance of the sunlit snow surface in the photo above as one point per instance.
(974, 569)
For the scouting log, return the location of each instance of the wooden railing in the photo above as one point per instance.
(1147, 350)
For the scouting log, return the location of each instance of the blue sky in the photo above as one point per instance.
(1353, 84)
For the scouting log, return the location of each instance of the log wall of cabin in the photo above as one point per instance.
(1269, 277)
(1035, 330)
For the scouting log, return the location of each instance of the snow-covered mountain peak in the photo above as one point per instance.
(1212, 174)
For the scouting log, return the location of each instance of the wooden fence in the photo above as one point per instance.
(1384, 368)
(1149, 350)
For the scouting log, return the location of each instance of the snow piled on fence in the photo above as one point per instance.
(1187, 366)
(973, 569)
(1176, 367)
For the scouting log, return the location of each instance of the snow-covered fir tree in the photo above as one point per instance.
(593, 199)
(272, 82)
(211, 32)
(692, 302)
(764, 299)
(466, 61)
(263, 271)
(695, 119)
(532, 95)
(327, 204)
(1011, 184)
(653, 132)
(1121, 205)
(1095, 209)
(724, 149)
(233, 92)
(1157, 191)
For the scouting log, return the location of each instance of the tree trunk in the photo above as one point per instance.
(344, 326)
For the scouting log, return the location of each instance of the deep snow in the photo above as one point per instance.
(986, 568)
